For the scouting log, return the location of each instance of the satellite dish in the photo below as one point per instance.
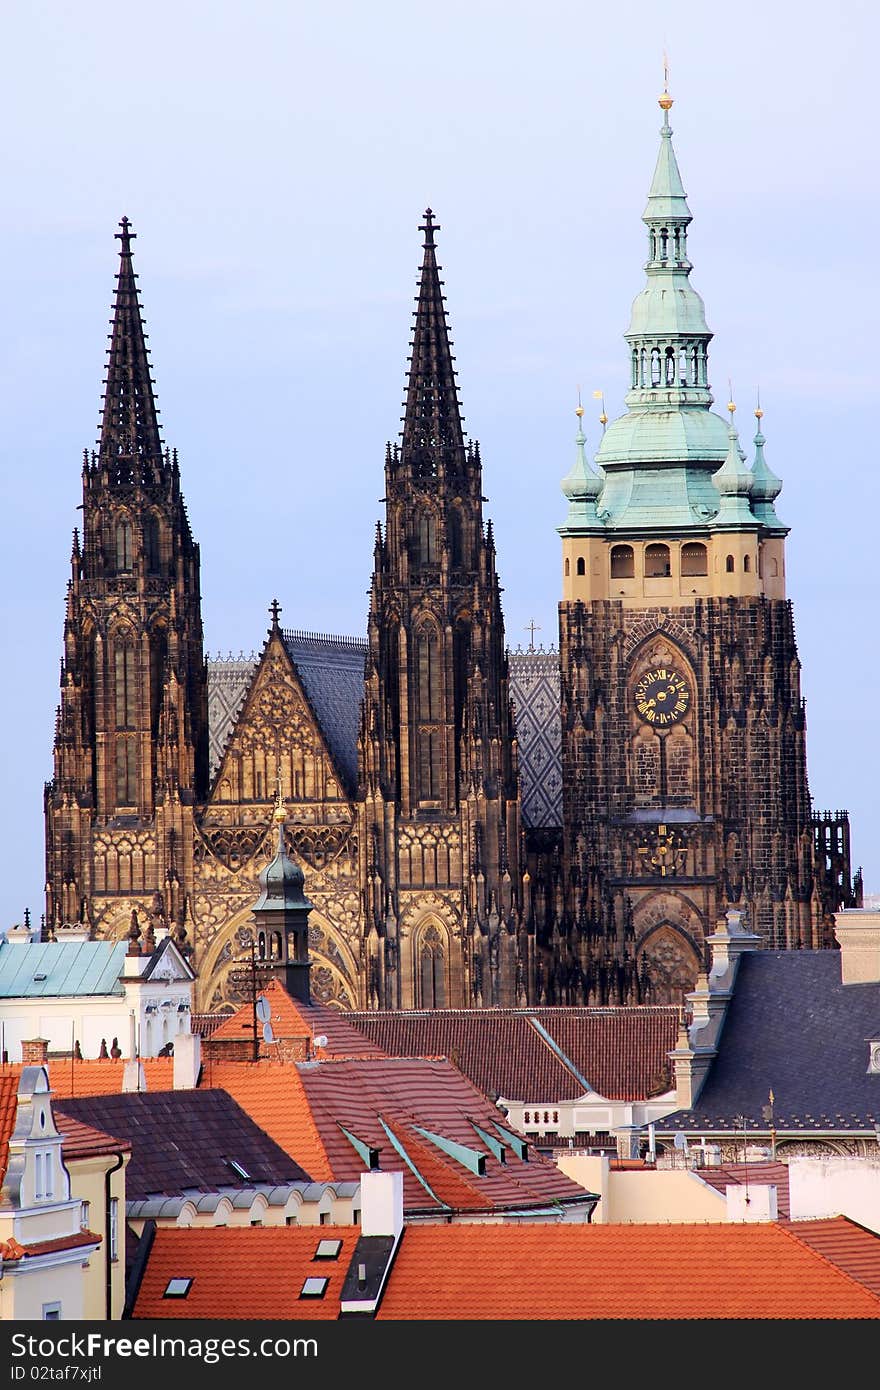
(321, 1040)
(268, 1035)
(680, 1140)
(264, 1009)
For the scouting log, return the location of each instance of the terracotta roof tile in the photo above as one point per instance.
(846, 1244)
(8, 1108)
(83, 1141)
(544, 1272)
(12, 1250)
(272, 1094)
(96, 1078)
(431, 1093)
(243, 1272)
(290, 1018)
(621, 1053)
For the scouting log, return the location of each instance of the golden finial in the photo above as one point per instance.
(665, 100)
(759, 414)
(600, 396)
(579, 410)
(730, 403)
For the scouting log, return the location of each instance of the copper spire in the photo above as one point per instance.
(432, 424)
(129, 422)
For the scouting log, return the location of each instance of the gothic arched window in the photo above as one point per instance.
(432, 971)
(123, 546)
(152, 554)
(427, 547)
(125, 686)
(126, 772)
(429, 675)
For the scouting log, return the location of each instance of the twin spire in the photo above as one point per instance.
(433, 438)
(130, 438)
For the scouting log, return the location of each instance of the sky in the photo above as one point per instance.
(275, 160)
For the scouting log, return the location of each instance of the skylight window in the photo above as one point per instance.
(177, 1288)
(328, 1250)
(314, 1287)
(237, 1168)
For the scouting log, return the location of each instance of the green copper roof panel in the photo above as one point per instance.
(61, 969)
(682, 435)
(667, 306)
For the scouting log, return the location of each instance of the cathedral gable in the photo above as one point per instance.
(276, 734)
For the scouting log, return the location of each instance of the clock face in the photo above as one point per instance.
(662, 696)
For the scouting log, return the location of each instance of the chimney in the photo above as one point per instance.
(34, 1052)
(381, 1232)
(858, 934)
(751, 1202)
(133, 1077)
(381, 1204)
(187, 1061)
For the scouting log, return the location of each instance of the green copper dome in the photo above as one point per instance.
(581, 486)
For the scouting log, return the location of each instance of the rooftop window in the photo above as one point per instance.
(177, 1288)
(328, 1249)
(314, 1287)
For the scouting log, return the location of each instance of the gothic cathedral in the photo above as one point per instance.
(475, 826)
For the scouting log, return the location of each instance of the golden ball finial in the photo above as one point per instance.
(665, 101)
(579, 410)
(759, 414)
(603, 418)
(731, 407)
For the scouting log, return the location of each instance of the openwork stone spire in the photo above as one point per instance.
(129, 422)
(433, 438)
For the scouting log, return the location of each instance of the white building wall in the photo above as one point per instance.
(836, 1186)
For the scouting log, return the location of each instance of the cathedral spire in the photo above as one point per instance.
(129, 421)
(432, 424)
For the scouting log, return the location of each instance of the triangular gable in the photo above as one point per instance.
(166, 963)
(276, 714)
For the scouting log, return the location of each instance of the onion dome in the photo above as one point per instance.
(282, 882)
(582, 485)
(766, 486)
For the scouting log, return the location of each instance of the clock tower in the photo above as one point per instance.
(683, 730)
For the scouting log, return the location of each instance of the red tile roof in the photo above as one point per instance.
(432, 1094)
(846, 1244)
(243, 1272)
(96, 1078)
(622, 1053)
(758, 1174)
(290, 1019)
(8, 1108)
(272, 1094)
(83, 1141)
(545, 1272)
(12, 1250)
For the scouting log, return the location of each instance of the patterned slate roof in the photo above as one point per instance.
(541, 1273)
(621, 1053)
(792, 1027)
(244, 1272)
(331, 670)
(184, 1140)
(413, 1095)
(229, 679)
(68, 967)
(535, 692)
(332, 673)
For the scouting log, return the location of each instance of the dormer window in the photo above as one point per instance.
(874, 1056)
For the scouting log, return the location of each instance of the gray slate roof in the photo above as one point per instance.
(186, 1141)
(332, 673)
(69, 967)
(792, 1027)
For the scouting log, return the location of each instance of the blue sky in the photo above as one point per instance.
(275, 160)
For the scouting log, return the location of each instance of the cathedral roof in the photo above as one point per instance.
(331, 670)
